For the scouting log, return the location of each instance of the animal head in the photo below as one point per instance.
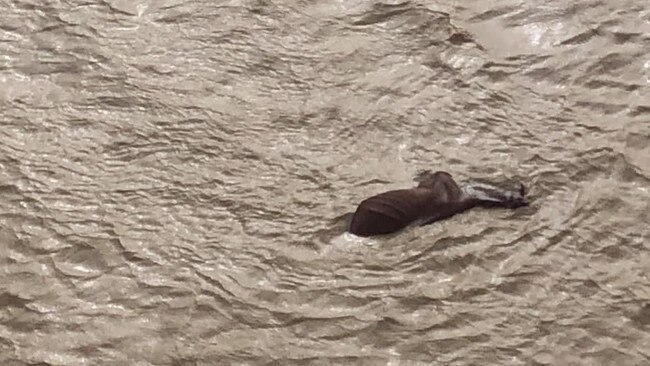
(427, 178)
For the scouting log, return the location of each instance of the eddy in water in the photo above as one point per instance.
(436, 197)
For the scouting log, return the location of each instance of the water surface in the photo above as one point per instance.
(173, 176)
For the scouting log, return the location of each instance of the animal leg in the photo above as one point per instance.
(488, 195)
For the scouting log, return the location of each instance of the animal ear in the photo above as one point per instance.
(422, 175)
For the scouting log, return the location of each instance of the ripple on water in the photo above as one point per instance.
(80, 262)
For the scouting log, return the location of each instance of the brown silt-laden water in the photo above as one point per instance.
(175, 178)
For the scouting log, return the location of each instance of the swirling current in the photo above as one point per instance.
(175, 177)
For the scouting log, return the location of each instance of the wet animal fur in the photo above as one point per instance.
(436, 197)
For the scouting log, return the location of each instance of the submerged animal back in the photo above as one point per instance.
(403, 205)
(387, 212)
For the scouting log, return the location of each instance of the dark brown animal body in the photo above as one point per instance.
(437, 197)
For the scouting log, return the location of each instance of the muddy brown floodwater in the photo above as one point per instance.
(174, 177)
